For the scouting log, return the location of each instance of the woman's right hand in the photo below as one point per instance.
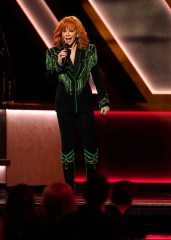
(61, 55)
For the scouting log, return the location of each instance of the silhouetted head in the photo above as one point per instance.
(96, 190)
(123, 192)
(20, 202)
(58, 200)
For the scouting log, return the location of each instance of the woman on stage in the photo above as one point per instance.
(70, 63)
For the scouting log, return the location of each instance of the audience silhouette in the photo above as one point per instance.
(104, 214)
(20, 213)
(58, 200)
(122, 196)
(90, 221)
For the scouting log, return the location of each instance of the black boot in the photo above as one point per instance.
(68, 164)
(91, 161)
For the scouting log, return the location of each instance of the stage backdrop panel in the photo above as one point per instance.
(33, 146)
(133, 145)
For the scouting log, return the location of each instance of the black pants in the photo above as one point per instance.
(84, 121)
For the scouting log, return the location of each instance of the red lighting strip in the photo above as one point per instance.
(135, 113)
(135, 180)
(157, 237)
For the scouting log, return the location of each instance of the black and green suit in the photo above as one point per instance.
(74, 104)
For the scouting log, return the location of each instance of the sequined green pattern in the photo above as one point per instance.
(104, 102)
(77, 81)
(67, 158)
(84, 73)
(52, 60)
(91, 158)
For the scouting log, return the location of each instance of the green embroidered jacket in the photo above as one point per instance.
(73, 92)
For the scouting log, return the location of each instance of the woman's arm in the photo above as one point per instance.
(102, 92)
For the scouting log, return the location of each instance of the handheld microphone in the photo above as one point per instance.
(66, 48)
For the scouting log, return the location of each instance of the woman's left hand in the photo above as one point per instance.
(104, 110)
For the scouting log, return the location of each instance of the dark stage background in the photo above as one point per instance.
(143, 146)
(27, 56)
(134, 138)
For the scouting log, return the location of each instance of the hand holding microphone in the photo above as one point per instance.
(63, 54)
(66, 46)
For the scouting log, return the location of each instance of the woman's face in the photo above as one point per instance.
(69, 34)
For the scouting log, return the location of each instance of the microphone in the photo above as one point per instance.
(66, 48)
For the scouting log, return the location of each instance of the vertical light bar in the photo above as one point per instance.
(41, 18)
(3, 174)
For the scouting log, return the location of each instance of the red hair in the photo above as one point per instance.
(58, 200)
(71, 22)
